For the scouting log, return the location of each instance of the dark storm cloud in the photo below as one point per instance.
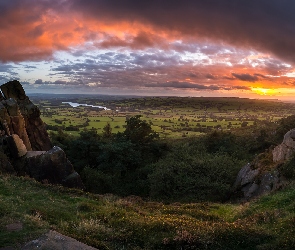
(241, 87)
(183, 85)
(265, 25)
(140, 41)
(41, 82)
(195, 86)
(246, 77)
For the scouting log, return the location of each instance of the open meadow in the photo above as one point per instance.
(171, 117)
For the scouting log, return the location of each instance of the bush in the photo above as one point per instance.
(193, 176)
(95, 181)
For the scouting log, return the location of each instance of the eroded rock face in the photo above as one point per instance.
(286, 149)
(24, 141)
(35, 128)
(16, 146)
(12, 121)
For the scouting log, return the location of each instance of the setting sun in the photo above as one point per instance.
(263, 91)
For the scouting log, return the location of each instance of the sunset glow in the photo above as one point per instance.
(263, 91)
(196, 48)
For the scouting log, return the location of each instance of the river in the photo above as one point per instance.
(75, 105)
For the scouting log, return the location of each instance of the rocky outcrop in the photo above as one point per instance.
(25, 142)
(35, 128)
(252, 182)
(16, 146)
(263, 175)
(286, 149)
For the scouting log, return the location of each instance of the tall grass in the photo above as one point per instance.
(110, 222)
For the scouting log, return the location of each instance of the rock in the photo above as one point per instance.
(262, 176)
(16, 146)
(271, 181)
(34, 153)
(286, 149)
(56, 241)
(245, 176)
(35, 128)
(13, 89)
(24, 139)
(251, 190)
(246, 181)
(12, 121)
(5, 119)
(19, 128)
(5, 165)
(52, 167)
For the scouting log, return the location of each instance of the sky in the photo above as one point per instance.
(243, 48)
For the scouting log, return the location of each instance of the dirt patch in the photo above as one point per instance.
(17, 226)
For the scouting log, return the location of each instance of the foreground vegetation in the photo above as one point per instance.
(110, 222)
(177, 192)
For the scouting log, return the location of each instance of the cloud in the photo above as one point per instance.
(195, 86)
(34, 30)
(183, 85)
(246, 77)
(265, 25)
(149, 68)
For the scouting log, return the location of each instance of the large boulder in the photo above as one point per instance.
(52, 167)
(35, 127)
(286, 149)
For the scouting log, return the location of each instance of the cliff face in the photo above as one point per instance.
(25, 118)
(25, 141)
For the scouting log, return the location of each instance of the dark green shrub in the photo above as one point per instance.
(183, 176)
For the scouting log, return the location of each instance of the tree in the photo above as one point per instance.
(107, 131)
(138, 131)
(244, 124)
(85, 149)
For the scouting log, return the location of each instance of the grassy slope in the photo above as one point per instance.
(109, 222)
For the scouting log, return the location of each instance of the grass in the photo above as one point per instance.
(185, 114)
(110, 222)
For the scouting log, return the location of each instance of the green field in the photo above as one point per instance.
(169, 116)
